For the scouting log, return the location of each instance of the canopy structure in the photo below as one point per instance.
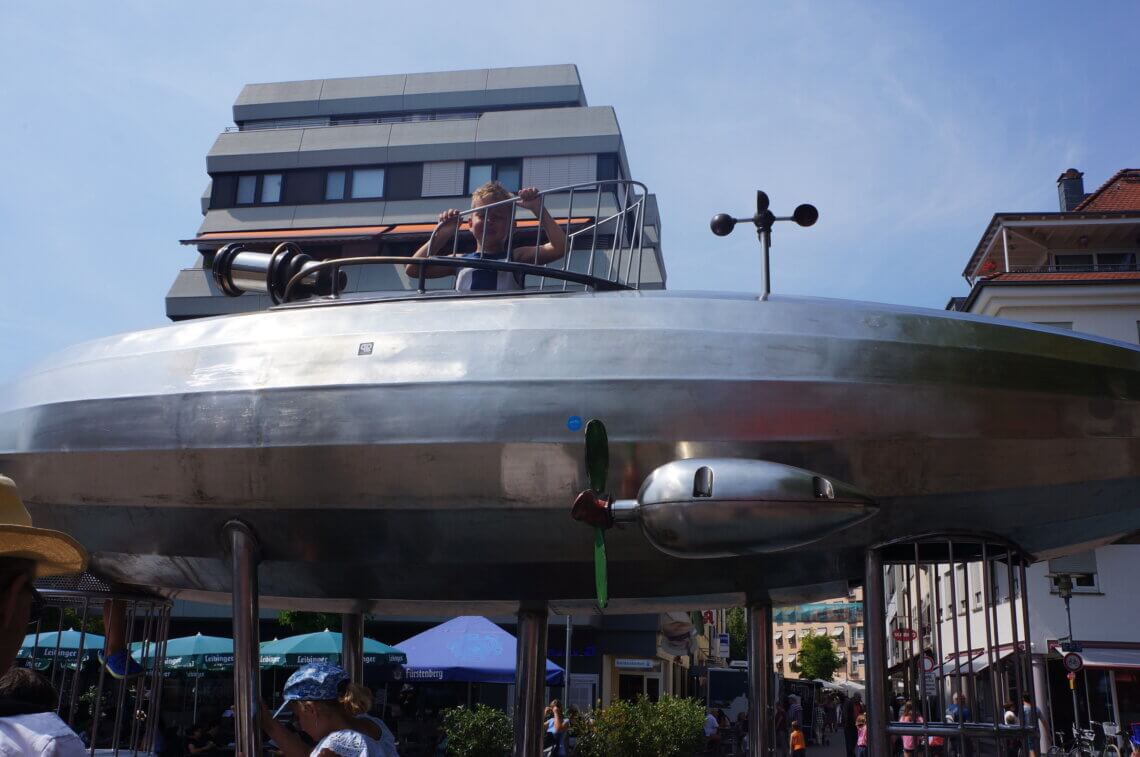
(323, 646)
(63, 646)
(468, 648)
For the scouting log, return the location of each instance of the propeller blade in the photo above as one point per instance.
(597, 455)
(601, 580)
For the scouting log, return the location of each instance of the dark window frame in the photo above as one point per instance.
(259, 180)
(495, 165)
(347, 190)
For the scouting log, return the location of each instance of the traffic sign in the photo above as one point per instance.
(1073, 662)
(928, 663)
(904, 634)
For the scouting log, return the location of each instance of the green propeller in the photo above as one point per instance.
(597, 470)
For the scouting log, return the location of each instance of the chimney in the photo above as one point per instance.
(1070, 189)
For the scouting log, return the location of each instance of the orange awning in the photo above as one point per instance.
(331, 234)
(342, 233)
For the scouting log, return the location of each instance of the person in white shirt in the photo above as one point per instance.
(25, 553)
(320, 697)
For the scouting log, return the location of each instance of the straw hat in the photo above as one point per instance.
(54, 552)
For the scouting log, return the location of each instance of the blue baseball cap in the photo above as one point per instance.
(314, 682)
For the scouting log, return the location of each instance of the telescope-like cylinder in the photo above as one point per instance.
(238, 270)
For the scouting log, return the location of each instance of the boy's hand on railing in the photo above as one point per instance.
(448, 221)
(529, 199)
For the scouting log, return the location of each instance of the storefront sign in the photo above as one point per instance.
(722, 645)
(904, 634)
(629, 664)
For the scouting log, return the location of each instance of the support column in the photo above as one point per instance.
(566, 664)
(352, 645)
(530, 680)
(875, 621)
(1041, 698)
(761, 739)
(247, 658)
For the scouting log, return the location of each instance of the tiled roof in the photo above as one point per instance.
(1121, 192)
(1073, 276)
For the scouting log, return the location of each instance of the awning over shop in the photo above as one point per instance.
(1108, 657)
(971, 663)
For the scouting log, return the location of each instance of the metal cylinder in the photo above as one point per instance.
(530, 680)
(761, 740)
(242, 271)
(352, 645)
(247, 672)
(875, 613)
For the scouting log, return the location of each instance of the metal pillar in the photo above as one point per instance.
(875, 621)
(761, 740)
(530, 680)
(352, 645)
(247, 671)
(566, 664)
(1041, 697)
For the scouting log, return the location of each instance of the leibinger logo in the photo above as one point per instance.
(220, 658)
(424, 674)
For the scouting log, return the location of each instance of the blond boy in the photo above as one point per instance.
(492, 230)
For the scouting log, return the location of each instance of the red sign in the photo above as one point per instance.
(904, 634)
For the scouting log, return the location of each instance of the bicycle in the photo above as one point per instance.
(1083, 742)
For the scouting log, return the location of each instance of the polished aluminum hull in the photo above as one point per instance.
(424, 450)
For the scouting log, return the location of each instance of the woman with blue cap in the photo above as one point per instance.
(319, 695)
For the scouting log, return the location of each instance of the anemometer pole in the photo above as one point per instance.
(722, 225)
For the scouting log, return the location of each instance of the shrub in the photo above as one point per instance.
(669, 727)
(479, 732)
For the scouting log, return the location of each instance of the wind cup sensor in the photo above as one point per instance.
(722, 225)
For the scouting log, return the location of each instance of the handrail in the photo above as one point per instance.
(288, 272)
(570, 190)
(603, 285)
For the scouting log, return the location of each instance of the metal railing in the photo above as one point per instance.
(958, 673)
(614, 245)
(1089, 268)
(112, 716)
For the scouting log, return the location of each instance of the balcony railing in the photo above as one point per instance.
(1087, 268)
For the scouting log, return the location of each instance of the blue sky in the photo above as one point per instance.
(908, 124)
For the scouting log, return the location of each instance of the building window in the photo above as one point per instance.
(271, 187)
(1072, 262)
(506, 172)
(367, 183)
(857, 635)
(246, 189)
(258, 189)
(443, 178)
(334, 185)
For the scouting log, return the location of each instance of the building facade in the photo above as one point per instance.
(363, 166)
(840, 619)
(1074, 269)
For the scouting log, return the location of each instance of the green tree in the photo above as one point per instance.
(737, 621)
(308, 622)
(669, 727)
(816, 658)
(479, 732)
